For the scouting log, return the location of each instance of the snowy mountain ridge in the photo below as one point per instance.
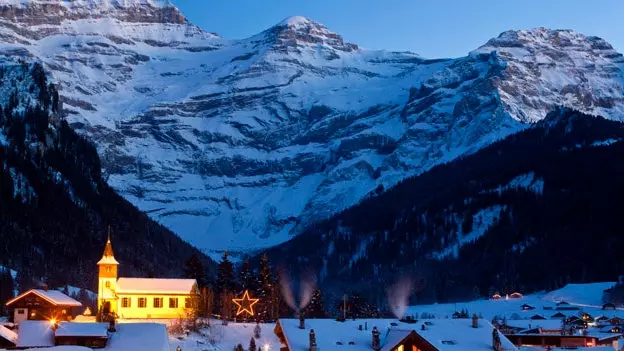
(240, 144)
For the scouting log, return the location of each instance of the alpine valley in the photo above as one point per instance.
(243, 145)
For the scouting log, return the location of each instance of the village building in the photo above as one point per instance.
(142, 298)
(38, 304)
(390, 335)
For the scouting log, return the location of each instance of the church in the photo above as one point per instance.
(142, 298)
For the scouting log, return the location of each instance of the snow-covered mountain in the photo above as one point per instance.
(240, 144)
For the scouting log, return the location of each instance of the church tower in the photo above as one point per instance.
(107, 279)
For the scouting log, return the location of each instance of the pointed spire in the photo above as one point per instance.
(108, 257)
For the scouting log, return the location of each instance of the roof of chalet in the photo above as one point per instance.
(82, 329)
(8, 334)
(443, 334)
(35, 334)
(547, 324)
(138, 337)
(329, 333)
(155, 286)
(459, 335)
(54, 297)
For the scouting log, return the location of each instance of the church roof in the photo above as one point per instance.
(155, 285)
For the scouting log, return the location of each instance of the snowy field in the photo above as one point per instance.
(588, 297)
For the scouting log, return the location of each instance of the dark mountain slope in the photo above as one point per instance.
(55, 206)
(536, 210)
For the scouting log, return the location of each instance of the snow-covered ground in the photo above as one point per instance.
(225, 337)
(588, 297)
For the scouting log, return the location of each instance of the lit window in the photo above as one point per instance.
(158, 302)
(400, 348)
(142, 302)
(187, 303)
(125, 302)
(107, 284)
(173, 302)
(21, 311)
(108, 269)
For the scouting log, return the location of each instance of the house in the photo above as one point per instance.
(37, 304)
(537, 316)
(601, 319)
(586, 316)
(608, 306)
(615, 321)
(516, 295)
(541, 326)
(553, 340)
(496, 296)
(92, 335)
(527, 307)
(390, 335)
(8, 338)
(141, 298)
(611, 329)
(558, 315)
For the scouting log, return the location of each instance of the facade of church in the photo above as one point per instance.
(142, 298)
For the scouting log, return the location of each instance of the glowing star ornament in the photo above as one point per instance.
(245, 305)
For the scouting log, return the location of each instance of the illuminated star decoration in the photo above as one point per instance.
(245, 304)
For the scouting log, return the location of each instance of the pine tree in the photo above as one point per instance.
(225, 274)
(252, 344)
(194, 269)
(239, 347)
(246, 277)
(315, 308)
(6, 287)
(267, 290)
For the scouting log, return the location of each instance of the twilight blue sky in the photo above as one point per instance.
(432, 28)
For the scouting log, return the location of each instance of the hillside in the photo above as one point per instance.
(242, 144)
(534, 211)
(54, 203)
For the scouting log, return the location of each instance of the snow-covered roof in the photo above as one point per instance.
(8, 334)
(154, 285)
(138, 337)
(549, 324)
(329, 333)
(459, 335)
(82, 329)
(35, 334)
(54, 297)
(393, 337)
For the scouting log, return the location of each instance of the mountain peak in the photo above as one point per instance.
(36, 12)
(299, 31)
(540, 37)
(296, 21)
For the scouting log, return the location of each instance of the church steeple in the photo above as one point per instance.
(107, 279)
(108, 257)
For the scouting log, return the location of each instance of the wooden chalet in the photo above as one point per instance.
(537, 317)
(516, 295)
(608, 306)
(586, 316)
(615, 321)
(558, 315)
(553, 340)
(37, 304)
(527, 307)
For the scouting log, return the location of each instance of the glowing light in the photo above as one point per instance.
(53, 321)
(245, 304)
(266, 347)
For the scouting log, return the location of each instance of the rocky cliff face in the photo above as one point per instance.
(241, 144)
